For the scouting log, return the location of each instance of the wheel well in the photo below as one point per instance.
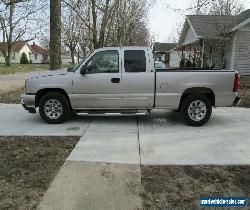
(42, 92)
(204, 91)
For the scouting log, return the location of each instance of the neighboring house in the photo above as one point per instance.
(217, 41)
(16, 52)
(161, 51)
(38, 54)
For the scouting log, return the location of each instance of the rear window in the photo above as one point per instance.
(134, 61)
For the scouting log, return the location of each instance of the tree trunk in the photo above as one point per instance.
(7, 59)
(55, 34)
(94, 17)
(104, 24)
(72, 52)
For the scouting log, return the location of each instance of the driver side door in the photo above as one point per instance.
(100, 87)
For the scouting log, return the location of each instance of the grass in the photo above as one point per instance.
(28, 166)
(23, 68)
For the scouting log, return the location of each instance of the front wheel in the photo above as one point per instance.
(196, 109)
(54, 108)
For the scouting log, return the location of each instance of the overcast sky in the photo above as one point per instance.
(163, 17)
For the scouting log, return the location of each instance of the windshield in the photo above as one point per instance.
(79, 64)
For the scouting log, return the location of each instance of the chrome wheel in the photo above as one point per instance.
(53, 109)
(197, 110)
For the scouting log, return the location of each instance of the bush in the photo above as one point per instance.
(24, 59)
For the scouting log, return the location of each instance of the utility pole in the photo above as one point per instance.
(55, 34)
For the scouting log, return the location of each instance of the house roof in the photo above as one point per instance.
(37, 49)
(212, 26)
(16, 46)
(163, 47)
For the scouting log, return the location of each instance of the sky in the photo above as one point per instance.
(166, 15)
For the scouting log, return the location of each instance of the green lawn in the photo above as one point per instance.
(14, 68)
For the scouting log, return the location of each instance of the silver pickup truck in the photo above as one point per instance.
(123, 80)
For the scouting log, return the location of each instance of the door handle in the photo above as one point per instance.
(115, 80)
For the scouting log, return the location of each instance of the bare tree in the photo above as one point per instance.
(111, 22)
(55, 34)
(70, 32)
(226, 7)
(217, 7)
(15, 20)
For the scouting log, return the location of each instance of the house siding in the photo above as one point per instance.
(37, 60)
(190, 36)
(174, 60)
(228, 54)
(242, 49)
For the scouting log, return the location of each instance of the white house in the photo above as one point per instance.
(217, 41)
(16, 52)
(38, 54)
(161, 51)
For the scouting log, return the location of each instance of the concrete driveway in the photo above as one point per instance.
(103, 171)
(159, 138)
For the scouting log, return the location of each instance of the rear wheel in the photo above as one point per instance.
(54, 108)
(196, 109)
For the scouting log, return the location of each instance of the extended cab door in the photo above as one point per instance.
(100, 87)
(138, 78)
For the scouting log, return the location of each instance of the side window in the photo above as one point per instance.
(134, 61)
(103, 62)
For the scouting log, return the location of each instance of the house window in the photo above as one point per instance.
(35, 56)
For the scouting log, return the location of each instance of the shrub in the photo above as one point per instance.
(24, 59)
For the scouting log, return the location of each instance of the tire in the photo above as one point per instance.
(54, 108)
(196, 109)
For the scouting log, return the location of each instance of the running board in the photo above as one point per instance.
(113, 113)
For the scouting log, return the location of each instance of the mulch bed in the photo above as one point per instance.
(27, 167)
(11, 97)
(245, 95)
(180, 187)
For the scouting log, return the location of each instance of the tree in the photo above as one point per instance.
(24, 59)
(15, 20)
(110, 22)
(71, 31)
(226, 7)
(218, 7)
(55, 34)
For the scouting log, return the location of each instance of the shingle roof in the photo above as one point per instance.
(16, 47)
(163, 47)
(213, 26)
(38, 50)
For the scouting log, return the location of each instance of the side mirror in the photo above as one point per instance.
(69, 69)
(83, 70)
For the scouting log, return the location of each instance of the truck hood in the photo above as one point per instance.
(48, 73)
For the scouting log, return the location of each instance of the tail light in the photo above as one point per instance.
(236, 82)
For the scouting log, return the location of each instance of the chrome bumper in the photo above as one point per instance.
(28, 102)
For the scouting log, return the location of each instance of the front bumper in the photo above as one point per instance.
(28, 102)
